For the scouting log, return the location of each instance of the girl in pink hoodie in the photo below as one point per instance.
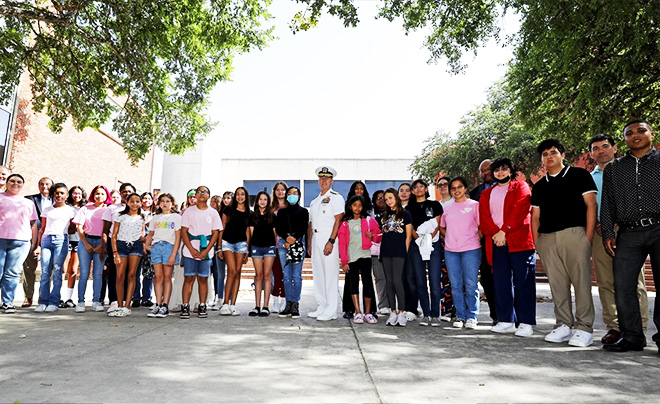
(356, 232)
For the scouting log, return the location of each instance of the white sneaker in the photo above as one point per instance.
(97, 306)
(402, 319)
(524, 330)
(391, 320)
(559, 334)
(234, 310)
(315, 313)
(445, 318)
(40, 308)
(384, 311)
(503, 328)
(581, 338)
(282, 304)
(326, 317)
(410, 316)
(225, 310)
(113, 307)
(471, 324)
(80, 308)
(216, 306)
(458, 324)
(51, 308)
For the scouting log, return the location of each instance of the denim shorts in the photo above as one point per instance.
(193, 267)
(260, 252)
(161, 252)
(73, 246)
(125, 248)
(240, 248)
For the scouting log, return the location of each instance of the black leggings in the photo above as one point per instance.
(361, 267)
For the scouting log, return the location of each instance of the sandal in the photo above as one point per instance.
(69, 304)
(254, 312)
(264, 312)
(62, 305)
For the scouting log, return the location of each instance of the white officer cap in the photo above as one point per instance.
(325, 171)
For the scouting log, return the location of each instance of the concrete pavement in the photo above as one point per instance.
(69, 357)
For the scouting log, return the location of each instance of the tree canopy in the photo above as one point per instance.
(158, 59)
(580, 67)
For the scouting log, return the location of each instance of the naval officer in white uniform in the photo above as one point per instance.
(325, 213)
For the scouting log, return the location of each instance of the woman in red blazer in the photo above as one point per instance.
(504, 214)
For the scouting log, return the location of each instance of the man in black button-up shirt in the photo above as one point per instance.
(631, 199)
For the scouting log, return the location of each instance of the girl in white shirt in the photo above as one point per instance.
(127, 236)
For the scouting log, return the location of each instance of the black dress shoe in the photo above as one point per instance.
(623, 346)
(611, 337)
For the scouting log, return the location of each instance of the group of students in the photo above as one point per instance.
(404, 249)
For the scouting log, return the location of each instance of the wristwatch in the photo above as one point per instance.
(331, 240)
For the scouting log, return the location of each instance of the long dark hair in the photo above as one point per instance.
(233, 208)
(127, 208)
(275, 204)
(70, 200)
(365, 194)
(348, 212)
(398, 209)
(268, 211)
(152, 209)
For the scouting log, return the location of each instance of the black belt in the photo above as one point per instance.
(92, 237)
(645, 222)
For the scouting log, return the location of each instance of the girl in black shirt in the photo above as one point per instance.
(262, 230)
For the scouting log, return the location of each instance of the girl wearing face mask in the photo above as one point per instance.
(291, 227)
(504, 212)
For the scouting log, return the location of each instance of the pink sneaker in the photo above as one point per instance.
(358, 318)
(370, 319)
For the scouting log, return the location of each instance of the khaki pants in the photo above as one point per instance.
(566, 256)
(605, 280)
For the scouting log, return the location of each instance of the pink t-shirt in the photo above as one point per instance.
(16, 212)
(497, 196)
(91, 218)
(200, 222)
(461, 219)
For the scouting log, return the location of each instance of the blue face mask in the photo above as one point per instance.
(292, 199)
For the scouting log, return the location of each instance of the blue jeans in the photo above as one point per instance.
(54, 249)
(463, 268)
(514, 278)
(292, 277)
(218, 269)
(435, 273)
(86, 259)
(12, 255)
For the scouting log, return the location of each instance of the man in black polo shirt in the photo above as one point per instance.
(631, 199)
(564, 211)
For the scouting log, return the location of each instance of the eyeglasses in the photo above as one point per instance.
(380, 198)
(443, 185)
(203, 192)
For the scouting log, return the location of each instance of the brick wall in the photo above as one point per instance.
(85, 158)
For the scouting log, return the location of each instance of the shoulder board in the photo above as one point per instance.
(334, 192)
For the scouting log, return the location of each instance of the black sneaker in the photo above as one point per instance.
(163, 311)
(287, 310)
(70, 304)
(185, 311)
(295, 310)
(254, 312)
(136, 303)
(154, 312)
(62, 305)
(264, 312)
(146, 303)
(8, 308)
(201, 311)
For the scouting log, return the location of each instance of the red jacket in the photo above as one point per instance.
(517, 219)
(344, 236)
